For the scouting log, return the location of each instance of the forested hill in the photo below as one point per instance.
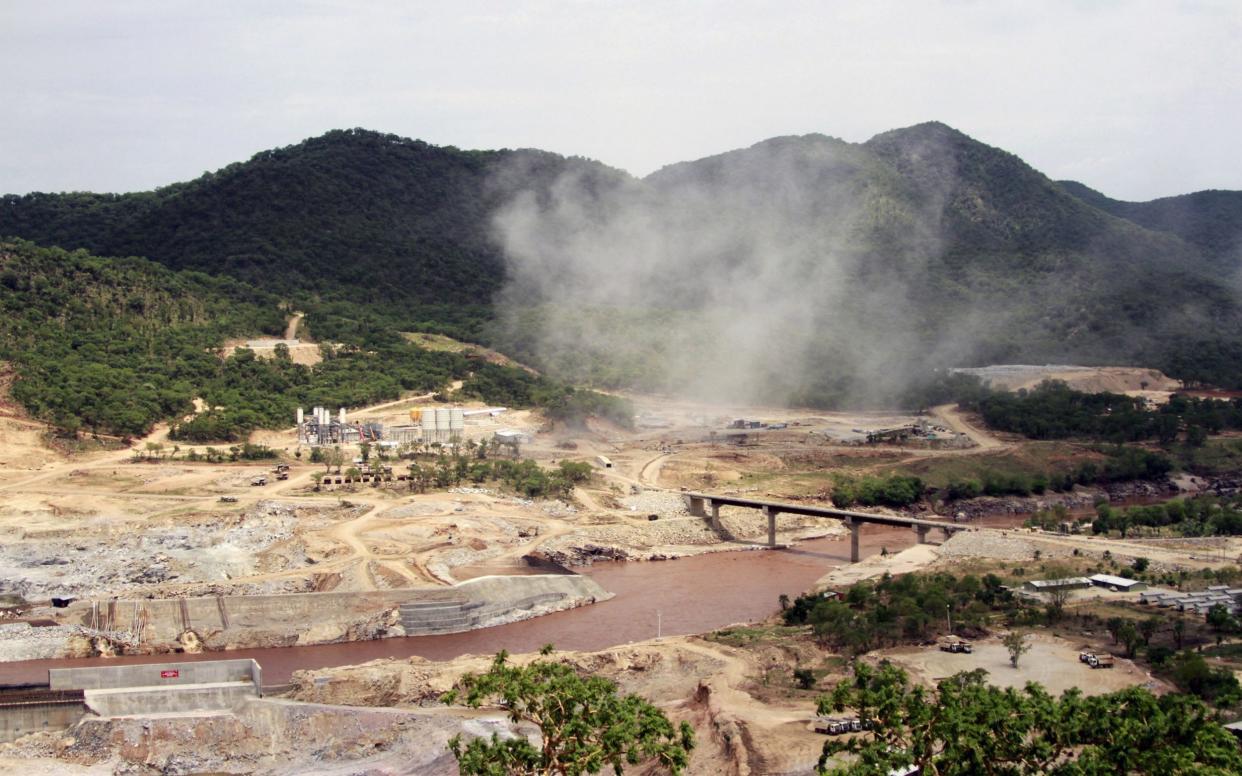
(352, 214)
(115, 345)
(969, 255)
(961, 251)
(1210, 220)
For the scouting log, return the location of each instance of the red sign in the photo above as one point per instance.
(169, 674)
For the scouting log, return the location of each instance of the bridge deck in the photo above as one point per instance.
(837, 514)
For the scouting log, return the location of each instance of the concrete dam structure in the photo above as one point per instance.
(72, 694)
(231, 622)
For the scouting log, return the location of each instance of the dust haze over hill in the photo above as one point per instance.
(807, 269)
(749, 269)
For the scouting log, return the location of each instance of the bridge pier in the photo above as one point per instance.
(715, 516)
(695, 506)
(855, 532)
(921, 532)
(771, 514)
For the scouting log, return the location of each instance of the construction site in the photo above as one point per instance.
(138, 556)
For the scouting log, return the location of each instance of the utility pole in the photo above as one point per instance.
(948, 616)
(659, 623)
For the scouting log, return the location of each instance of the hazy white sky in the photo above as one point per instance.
(1138, 99)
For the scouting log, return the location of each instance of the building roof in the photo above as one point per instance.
(1080, 581)
(1109, 579)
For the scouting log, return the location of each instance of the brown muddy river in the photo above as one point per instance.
(679, 597)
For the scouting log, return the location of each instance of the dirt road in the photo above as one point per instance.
(952, 417)
(291, 331)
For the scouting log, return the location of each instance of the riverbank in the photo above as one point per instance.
(680, 597)
(232, 623)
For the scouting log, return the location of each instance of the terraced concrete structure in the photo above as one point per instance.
(228, 622)
(427, 618)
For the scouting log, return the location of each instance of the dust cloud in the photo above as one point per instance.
(783, 273)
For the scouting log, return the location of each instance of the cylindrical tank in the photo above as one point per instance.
(299, 417)
(457, 419)
(342, 416)
(427, 419)
(442, 418)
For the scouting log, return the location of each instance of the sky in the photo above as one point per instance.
(1137, 99)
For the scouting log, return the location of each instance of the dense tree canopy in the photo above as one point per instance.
(115, 345)
(965, 727)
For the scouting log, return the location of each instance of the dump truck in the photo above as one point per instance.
(1096, 659)
(955, 644)
(259, 481)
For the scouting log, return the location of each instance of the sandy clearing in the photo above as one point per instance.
(1051, 662)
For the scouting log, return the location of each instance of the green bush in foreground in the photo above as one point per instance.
(584, 724)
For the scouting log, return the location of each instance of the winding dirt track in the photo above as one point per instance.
(649, 475)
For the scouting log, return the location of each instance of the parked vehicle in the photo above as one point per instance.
(835, 726)
(259, 481)
(955, 644)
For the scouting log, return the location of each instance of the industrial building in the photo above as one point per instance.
(1118, 584)
(1046, 585)
(442, 425)
(1196, 603)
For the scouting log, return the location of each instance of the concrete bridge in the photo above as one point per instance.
(699, 503)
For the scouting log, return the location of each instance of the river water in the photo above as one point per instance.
(676, 597)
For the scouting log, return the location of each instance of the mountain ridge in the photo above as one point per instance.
(983, 252)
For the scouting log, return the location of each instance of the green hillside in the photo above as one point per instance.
(351, 217)
(917, 249)
(116, 345)
(1210, 220)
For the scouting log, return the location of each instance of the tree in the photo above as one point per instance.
(1015, 643)
(584, 724)
(1148, 628)
(335, 457)
(1058, 595)
(805, 678)
(965, 727)
(1129, 636)
(1221, 621)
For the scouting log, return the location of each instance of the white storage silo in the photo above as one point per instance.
(427, 421)
(457, 423)
(442, 424)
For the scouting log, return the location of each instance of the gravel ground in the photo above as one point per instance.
(19, 641)
(998, 545)
(209, 547)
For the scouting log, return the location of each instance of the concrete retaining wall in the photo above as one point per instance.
(17, 720)
(165, 700)
(156, 675)
(317, 618)
(164, 619)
